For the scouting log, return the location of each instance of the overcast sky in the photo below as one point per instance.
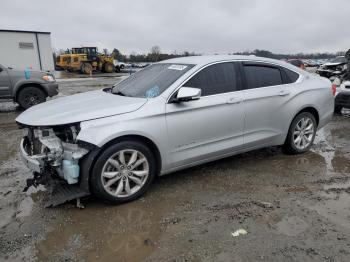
(203, 26)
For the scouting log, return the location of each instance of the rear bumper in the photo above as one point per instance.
(51, 88)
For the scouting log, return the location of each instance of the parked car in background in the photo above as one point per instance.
(297, 62)
(342, 98)
(310, 63)
(335, 67)
(27, 88)
(173, 115)
(119, 65)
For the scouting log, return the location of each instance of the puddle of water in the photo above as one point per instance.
(324, 147)
(334, 202)
(332, 143)
(336, 210)
(128, 232)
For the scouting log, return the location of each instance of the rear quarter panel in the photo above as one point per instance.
(316, 92)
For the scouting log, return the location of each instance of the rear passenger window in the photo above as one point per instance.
(289, 76)
(261, 76)
(215, 79)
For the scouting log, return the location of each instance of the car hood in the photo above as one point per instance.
(333, 64)
(32, 74)
(79, 107)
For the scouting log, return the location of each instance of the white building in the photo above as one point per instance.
(26, 49)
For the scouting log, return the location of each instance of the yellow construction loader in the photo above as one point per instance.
(85, 60)
(62, 61)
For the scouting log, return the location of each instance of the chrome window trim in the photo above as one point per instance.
(232, 61)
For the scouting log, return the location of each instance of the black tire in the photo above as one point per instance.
(86, 68)
(108, 67)
(117, 69)
(96, 183)
(289, 145)
(30, 96)
(337, 109)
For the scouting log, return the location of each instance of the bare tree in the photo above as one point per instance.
(155, 52)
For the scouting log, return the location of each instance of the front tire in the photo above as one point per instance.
(108, 67)
(123, 172)
(86, 68)
(301, 134)
(30, 96)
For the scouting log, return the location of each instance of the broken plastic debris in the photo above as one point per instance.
(239, 232)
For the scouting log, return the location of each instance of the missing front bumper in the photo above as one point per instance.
(49, 170)
(31, 162)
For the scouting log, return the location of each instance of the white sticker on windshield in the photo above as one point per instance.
(177, 67)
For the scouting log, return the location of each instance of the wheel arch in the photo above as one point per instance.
(88, 162)
(309, 109)
(143, 139)
(20, 87)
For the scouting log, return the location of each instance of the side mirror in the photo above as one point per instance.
(187, 94)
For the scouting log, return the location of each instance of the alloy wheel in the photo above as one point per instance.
(303, 133)
(125, 173)
(32, 99)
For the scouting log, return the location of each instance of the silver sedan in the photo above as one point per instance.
(173, 115)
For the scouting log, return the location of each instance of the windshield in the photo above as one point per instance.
(339, 59)
(151, 81)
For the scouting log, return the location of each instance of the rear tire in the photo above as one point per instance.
(30, 96)
(120, 179)
(301, 134)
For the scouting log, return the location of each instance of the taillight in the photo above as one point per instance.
(334, 89)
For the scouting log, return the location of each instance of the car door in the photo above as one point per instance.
(212, 126)
(4, 83)
(269, 90)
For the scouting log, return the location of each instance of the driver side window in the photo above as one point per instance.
(215, 79)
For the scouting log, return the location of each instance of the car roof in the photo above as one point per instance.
(200, 61)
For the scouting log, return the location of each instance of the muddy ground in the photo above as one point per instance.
(294, 208)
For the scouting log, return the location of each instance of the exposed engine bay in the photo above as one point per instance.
(337, 68)
(53, 154)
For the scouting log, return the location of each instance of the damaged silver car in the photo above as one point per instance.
(169, 116)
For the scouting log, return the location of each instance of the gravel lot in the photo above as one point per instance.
(294, 208)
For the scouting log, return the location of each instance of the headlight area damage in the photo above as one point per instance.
(53, 154)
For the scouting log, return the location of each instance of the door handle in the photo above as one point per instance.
(234, 100)
(283, 93)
